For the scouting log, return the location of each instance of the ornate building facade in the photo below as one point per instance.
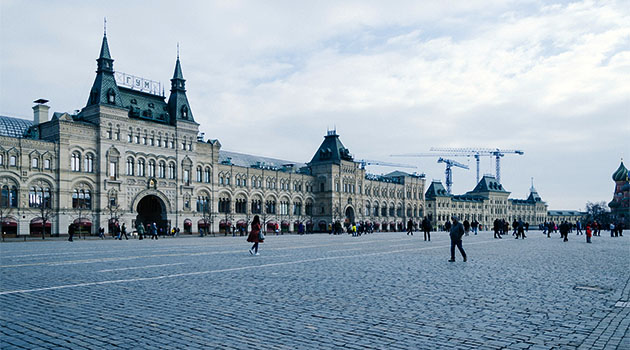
(485, 203)
(132, 156)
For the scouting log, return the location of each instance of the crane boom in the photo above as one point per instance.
(478, 152)
(365, 162)
(449, 172)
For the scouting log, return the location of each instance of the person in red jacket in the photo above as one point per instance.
(255, 236)
(589, 233)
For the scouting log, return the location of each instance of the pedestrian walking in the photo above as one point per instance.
(475, 226)
(466, 227)
(70, 232)
(497, 228)
(154, 231)
(521, 229)
(410, 227)
(255, 236)
(101, 233)
(456, 233)
(589, 233)
(426, 228)
(564, 231)
(140, 229)
(123, 232)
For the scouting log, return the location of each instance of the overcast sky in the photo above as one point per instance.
(270, 77)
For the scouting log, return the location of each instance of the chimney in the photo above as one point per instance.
(40, 111)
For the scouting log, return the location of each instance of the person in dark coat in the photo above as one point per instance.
(154, 231)
(426, 228)
(497, 228)
(564, 231)
(123, 232)
(466, 227)
(521, 229)
(456, 233)
(255, 236)
(140, 229)
(447, 226)
(409, 227)
(70, 232)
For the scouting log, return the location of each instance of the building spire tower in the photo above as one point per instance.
(178, 106)
(104, 90)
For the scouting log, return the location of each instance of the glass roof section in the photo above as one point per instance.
(14, 127)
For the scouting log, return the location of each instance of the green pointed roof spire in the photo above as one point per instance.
(105, 49)
(178, 106)
(104, 90)
(177, 75)
(621, 174)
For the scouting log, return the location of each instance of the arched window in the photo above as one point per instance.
(297, 208)
(38, 197)
(161, 170)
(256, 207)
(130, 166)
(171, 171)
(240, 206)
(81, 199)
(46, 163)
(111, 96)
(151, 168)
(203, 204)
(184, 112)
(198, 177)
(12, 161)
(224, 205)
(88, 163)
(76, 162)
(4, 197)
(206, 175)
(270, 207)
(140, 167)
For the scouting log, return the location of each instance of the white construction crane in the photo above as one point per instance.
(449, 172)
(478, 152)
(365, 162)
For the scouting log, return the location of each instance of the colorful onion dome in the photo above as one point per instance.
(621, 174)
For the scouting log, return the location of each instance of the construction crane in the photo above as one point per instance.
(449, 172)
(365, 162)
(478, 152)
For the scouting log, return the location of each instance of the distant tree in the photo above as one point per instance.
(598, 211)
(46, 211)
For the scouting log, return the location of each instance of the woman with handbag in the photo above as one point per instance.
(255, 235)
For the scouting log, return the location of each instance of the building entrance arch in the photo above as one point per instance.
(349, 215)
(151, 209)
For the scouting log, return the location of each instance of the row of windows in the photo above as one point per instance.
(270, 207)
(351, 188)
(88, 162)
(35, 162)
(138, 169)
(269, 183)
(390, 211)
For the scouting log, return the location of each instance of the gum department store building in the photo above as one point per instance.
(131, 156)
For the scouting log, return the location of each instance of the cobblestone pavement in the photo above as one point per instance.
(380, 291)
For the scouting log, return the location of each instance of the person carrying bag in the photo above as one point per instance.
(255, 235)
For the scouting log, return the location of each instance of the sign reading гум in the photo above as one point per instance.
(138, 83)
